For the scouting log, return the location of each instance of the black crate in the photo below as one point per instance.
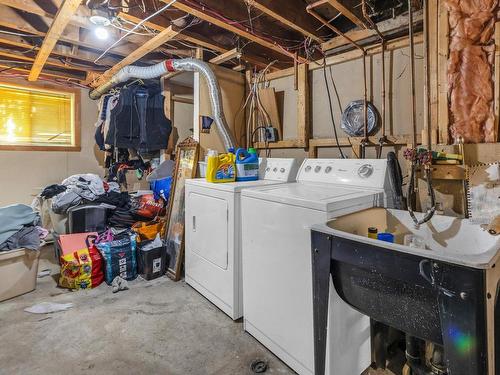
(152, 263)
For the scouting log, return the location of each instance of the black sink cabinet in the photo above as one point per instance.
(448, 304)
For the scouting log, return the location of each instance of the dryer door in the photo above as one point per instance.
(207, 225)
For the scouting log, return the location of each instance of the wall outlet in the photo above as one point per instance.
(271, 134)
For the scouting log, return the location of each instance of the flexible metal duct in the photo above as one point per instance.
(173, 65)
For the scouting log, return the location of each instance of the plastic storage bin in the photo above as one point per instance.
(152, 263)
(18, 272)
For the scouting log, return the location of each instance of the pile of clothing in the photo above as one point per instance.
(76, 190)
(19, 228)
(82, 189)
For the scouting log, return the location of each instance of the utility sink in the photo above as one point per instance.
(446, 290)
(446, 238)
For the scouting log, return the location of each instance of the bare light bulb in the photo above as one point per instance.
(101, 33)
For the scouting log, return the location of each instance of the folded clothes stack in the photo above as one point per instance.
(19, 228)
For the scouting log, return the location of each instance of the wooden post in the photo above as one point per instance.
(169, 113)
(497, 81)
(443, 53)
(303, 105)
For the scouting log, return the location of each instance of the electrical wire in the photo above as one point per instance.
(133, 29)
(331, 110)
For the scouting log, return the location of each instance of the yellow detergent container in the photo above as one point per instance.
(220, 168)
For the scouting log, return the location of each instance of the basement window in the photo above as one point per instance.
(38, 118)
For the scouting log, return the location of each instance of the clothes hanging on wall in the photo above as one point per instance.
(138, 120)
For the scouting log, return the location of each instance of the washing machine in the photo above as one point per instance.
(276, 247)
(213, 233)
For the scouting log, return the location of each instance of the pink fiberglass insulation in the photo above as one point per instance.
(470, 69)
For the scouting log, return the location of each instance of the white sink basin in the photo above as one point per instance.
(446, 238)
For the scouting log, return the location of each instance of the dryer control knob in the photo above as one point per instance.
(275, 169)
(317, 169)
(268, 169)
(365, 171)
(308, 168)
(328, 169)
(282, 170)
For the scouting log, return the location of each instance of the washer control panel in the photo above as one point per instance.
(355, 172)
(278, 169)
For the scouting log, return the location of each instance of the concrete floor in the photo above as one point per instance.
(156, 327)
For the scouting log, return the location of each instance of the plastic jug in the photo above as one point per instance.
(247, 165)
(220, 168)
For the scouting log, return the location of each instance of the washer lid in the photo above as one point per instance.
(323, 197)
(233, 187)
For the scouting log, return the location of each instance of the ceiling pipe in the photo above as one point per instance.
(176, 65)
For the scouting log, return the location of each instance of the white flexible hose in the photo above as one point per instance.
(160, 69)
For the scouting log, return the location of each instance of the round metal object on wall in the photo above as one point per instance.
(353, 119)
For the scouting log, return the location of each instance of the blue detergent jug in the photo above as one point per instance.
(247, 165)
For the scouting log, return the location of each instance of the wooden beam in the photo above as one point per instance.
(12, 20)
(348, 56)
(347, 13)
(48, 74)
(303, 104)
(239, 68)
(497, 82)
(182, 35)
(229, 55)
(167, 34)
(56, 29)
(229, 27)
(49, 62)
(443, 52)
(196, 40)
(265, 7)
(385, 27)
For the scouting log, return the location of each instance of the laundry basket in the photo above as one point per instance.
(18, 272)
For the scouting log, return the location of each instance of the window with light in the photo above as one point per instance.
(36, 118)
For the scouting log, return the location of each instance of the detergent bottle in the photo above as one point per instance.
(247, 165)
(220, 168)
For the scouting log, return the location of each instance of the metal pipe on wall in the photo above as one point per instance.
(427, 168)
(173, 65)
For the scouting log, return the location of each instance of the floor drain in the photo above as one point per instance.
(258, 366)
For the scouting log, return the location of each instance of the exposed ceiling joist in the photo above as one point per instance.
(347, 13)
(288, 15)
(195, 39)
(385, 27)
(182, 35)
(48, 62)
(229, 27)
(229, 55)
(152, 44)
(239, 68)
(56, 29)
(45, 73)
(78, 20)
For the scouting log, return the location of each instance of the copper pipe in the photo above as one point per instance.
(427, 118)
(365, 141)
(412, 73)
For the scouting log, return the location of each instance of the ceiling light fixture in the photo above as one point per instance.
(101, 23)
